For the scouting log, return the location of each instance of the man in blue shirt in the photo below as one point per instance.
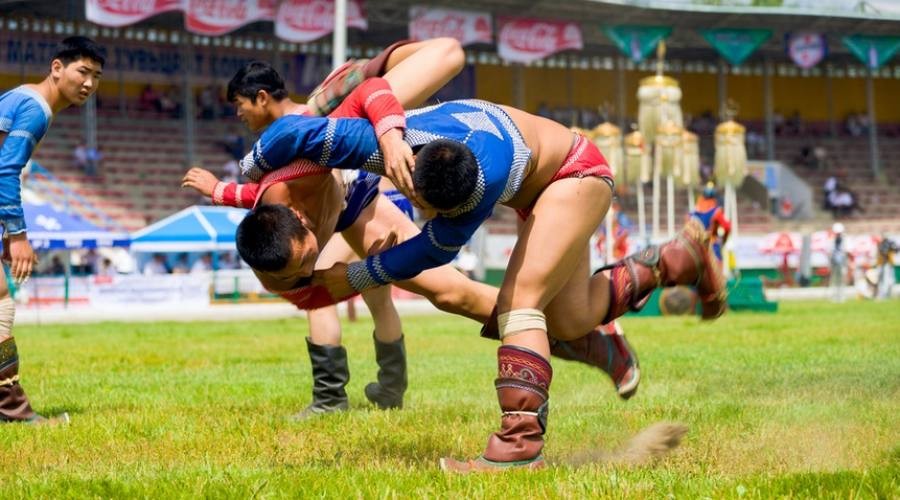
(470, 156)
(25, 114)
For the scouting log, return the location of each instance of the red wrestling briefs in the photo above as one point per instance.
(583, 160)
(311, 297)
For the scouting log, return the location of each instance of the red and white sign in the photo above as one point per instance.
(464, 25)
(117, 13)
(217, 17)
(526, 40)
(308, 20)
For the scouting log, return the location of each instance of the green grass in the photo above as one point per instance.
(802, 404)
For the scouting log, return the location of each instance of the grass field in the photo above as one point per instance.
(802, 404)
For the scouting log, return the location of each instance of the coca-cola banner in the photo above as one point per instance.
(466, 26)
(217, 17)
(307, 20)
(116, 13)
(526, 40)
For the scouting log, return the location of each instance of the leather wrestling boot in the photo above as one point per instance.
(387, 393)
(330, 375)
(522, 384)
(685, 260)
(604, 347)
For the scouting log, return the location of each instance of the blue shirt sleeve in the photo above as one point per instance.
(438, 243)
(348, 143)
(24, 123)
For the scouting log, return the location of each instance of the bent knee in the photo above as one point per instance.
(454, 56)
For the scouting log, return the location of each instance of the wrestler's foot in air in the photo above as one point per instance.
(606, 348)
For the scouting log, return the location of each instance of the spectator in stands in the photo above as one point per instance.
(202, 265)
(887, 250)
(843, 202)
(56, 268)
(107, 269)
(168, 103)
(149, 99)
(805, 157)
(157, 265)
(794, 125)
(207, 102)
(94, 158)
(838, 263)
(756, 144)
(227, 261)
(79, 157)
(829, 187)
(820, 155)
(778, 121)
(231, 171)
(181, 264)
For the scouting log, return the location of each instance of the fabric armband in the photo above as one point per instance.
(520, 320)
(232, 194)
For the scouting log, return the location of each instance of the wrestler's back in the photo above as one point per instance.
(549, 143)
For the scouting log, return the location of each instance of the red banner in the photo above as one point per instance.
(117, 13)
(217, 17)
(463, 25)
(307, 20)
(526, 40)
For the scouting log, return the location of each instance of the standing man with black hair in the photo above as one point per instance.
(25, 114)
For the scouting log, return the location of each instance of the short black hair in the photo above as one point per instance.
(74, 48)
(446, 173)
(265, 235)
(253, 77)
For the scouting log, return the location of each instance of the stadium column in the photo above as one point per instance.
(339, 37)
(768, 100)
(723, 89)
(873, 126)
(188, 96)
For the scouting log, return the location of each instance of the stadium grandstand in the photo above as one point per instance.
(161, 107)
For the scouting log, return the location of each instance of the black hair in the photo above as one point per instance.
(446, 173)
(253, 77)
(74, 48)
(265, 235)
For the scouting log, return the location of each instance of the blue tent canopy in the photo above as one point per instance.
(52, 229)
(194, 229)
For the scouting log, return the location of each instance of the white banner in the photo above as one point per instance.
(117, 13)
(307, 20)
(526, 40)
(217, 17)
(181, 290)
(466, 26)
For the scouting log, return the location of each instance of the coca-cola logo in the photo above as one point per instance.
(531, 37)
(308, 15)
(130, 7)
(218, 10)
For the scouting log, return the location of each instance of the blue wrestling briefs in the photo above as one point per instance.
(360, 193)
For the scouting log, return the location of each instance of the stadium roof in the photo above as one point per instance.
(388, 20)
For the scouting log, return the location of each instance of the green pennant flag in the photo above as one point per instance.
(873, 51)
(736, 45)
(636, 42)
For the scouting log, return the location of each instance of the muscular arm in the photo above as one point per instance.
(330, 142)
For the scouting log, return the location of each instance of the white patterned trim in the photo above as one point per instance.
(434, 242)
(238, 191)
(416, 137)
(374, 163)
(478, 121)
(359, 277)
(23, 134)
(300, 167)
(521, 152)
(45, 106)
(248, 165)
(381, 274)
(218, 197)
(5, 124)
(329, 142)
(375, 95)
(389, 122)
(474, 199)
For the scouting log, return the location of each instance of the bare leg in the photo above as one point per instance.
(417, 70)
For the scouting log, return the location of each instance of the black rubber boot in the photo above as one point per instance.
(330, 376)
(388, 392)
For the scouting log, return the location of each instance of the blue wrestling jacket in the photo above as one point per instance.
(24, 118)
(351, 143)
